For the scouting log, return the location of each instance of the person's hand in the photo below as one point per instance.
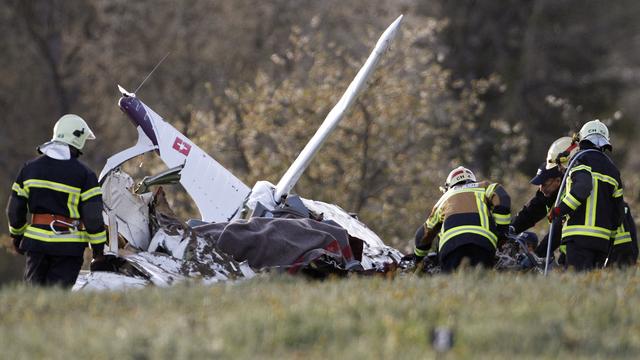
(511, 230)
(104, 263)
(554, 213)
(16, 240)
(412, 257)
(524, 261)
(98, 253)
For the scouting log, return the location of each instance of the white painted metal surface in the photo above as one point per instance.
(375, 254)
(217, 193)
(130, 211)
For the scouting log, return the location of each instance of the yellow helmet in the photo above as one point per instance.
(71, 129)
(560, 152)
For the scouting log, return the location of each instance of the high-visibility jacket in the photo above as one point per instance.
(593, 200)
(623, 233)
(60, 187)
(625, 241)
(536, 209)
(472, 213)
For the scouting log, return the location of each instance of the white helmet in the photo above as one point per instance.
(560, 152)
(458, 175)
(73, 130)
(596, 132)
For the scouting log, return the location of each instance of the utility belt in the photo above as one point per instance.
(55, 222)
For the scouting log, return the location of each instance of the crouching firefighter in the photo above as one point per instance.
(65, 202)
(592, 200)
(548, 179)
(469, 218)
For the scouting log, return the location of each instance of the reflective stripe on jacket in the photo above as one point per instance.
(468, 213)
(625, 233)
(593, 215)
(60, 187)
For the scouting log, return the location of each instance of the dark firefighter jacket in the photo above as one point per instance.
(533, 211)
(593, 200)
(61, 187)
(625, 241)
(536, 209)
(472, 213)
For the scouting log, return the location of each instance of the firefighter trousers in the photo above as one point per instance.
(580, 258)
(468, 254)
(51, 270)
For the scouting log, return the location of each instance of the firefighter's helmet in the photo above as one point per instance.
(560, 152)
(595, 132)
(73, 130)
(459, 175)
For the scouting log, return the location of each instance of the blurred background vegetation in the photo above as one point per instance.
(488, 85)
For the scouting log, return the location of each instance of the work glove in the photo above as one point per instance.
(104, 263)
(98, 251)
(16, 240)
(524, 261)
(554, 213)
(412, 257)
(511, 230)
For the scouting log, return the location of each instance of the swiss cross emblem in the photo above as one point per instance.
(182, 147)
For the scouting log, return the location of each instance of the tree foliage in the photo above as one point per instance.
(381, 160)
(485, 84)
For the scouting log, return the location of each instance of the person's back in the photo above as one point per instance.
(468, 218)
(597, 215)
(65, 202)
(592, 201)
(56, 187)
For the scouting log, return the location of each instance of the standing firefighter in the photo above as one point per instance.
(548, 179)
(469, 218)
(592, 200)
(65, 203)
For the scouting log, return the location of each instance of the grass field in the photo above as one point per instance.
(595, 315)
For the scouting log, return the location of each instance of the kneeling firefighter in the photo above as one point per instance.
(548, 179)
(469, 218)
(65, 202)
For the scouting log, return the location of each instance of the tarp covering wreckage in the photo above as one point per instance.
(313, 243)
(284, 232)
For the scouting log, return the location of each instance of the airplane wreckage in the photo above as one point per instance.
(150, 245)
(242, 230)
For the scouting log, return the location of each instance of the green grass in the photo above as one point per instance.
(594, 315)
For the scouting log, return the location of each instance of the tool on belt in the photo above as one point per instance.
(58, 221)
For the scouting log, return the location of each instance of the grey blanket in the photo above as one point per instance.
(282, 242)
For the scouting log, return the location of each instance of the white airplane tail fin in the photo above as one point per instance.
(218, 194)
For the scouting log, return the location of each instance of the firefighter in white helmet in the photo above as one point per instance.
(64, 200)
(592, 205)
(548, 179)
(469, 219)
